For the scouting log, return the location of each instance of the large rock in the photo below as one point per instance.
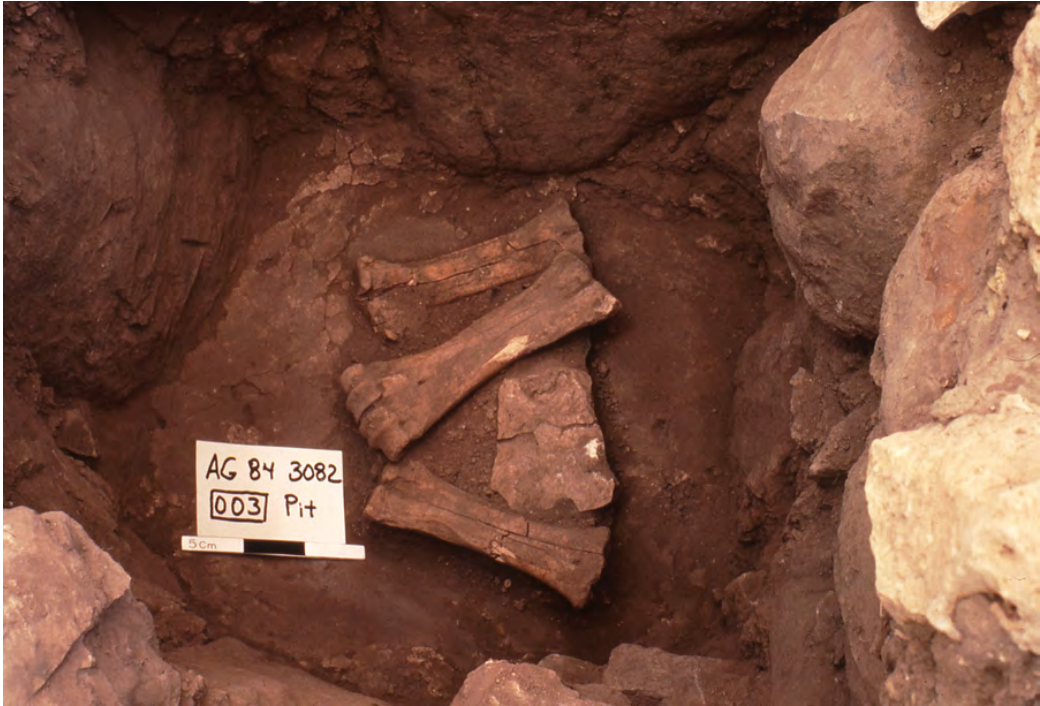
(72, 631)
(856, 134)
(953, 512)
(1020, 136)
(559, 88)
(237, 675)
(117, 215)
(961, 319)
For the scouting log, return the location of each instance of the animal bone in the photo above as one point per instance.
(396, 401)
(398, 293)
(569, 559)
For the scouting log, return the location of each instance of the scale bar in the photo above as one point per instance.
(272, 547)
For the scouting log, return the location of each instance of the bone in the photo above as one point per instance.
(569, 559)
(397, 295)
(395, 402)
(550, 447)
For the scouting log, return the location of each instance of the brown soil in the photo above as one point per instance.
(675, 229)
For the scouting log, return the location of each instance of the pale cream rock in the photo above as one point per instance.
(1020, 137)
(934, 14)
(955, 511)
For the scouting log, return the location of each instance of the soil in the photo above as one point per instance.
(679, 237)
(663, 393)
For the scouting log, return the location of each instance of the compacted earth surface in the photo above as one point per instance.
(189, 189)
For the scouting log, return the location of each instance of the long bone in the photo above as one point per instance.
(569, 559)
(396, 401)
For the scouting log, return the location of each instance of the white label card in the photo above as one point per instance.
(269, 492)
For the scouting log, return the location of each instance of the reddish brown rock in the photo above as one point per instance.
(650, 673)
(961, 310)
(856, 135)
(559, 88)
(72, 631)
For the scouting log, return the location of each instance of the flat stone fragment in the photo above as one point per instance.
(953, 511)
(569, 559)
(396, 401)
(678, 680)
(397, 294)
(550, 448)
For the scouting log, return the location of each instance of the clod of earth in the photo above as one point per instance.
(396, 401)
(569, 559)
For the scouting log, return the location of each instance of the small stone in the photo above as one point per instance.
(1023, 333)
(958, 110)
(74, 435)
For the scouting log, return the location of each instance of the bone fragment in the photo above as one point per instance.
(550, 447)
(396, 401)
(569, 559)
(397, 294)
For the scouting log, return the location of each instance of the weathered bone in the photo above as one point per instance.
(569, 559)
(550, 447)
(396, 401)
(398, 293)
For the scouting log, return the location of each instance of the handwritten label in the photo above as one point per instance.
(269, 492)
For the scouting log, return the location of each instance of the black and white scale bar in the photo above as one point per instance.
(272, 547)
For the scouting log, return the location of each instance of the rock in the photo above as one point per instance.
(842, 200)
(573, 671)
(743, 605)
(549, 89)
(1020, 137)
(933, 14)
(983, 667)
(815, 410)
(953, 511)
(37, 474)
(954, 303)
(650, 673)
(511, 684)
(237, 675)
(72, 631)
(74, 435)
(118, 217)
(844, 443)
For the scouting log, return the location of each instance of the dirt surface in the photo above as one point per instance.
(675, 227)
(410, 621)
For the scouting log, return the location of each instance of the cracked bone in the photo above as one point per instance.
(394, 402)
(397, 294)
(569, 559)
(550, 447)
